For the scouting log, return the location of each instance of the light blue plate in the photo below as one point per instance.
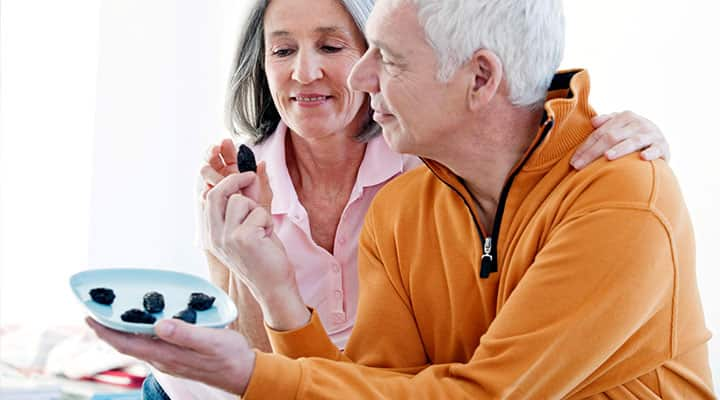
(130, 285)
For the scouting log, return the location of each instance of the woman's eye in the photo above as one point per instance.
(282, 52)
(331, 49)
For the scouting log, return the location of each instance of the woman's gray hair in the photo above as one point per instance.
(250, 110)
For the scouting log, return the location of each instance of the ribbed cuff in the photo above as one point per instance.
(274, 377)
(310, 340)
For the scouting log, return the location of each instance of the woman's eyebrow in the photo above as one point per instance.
(321, 29)
(332, 29)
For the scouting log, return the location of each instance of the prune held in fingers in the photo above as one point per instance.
(246, 159)
(188, 315)
(153, 302)
(200, 301)
(102, 295)
(137, 315)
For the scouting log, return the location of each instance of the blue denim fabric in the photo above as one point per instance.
(151, 389)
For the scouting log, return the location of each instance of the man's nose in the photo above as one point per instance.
(363, 77)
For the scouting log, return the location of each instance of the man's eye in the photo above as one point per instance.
(331, 49)
(282, 52)
(386, 62)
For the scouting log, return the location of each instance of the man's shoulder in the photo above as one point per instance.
(629, 181)
(405, 192)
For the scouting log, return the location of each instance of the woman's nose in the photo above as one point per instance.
(308, 67)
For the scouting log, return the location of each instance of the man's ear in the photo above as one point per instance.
(486, 73)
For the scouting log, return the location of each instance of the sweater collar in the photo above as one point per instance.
(567, 112)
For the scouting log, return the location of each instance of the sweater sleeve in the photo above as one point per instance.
(582, 308)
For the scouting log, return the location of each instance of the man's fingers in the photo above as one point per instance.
(166, 355)
(199, 339)
(139, 346)
(210, 175)
(260, 218)
(238, 208)
(266, 194)
(217, 200)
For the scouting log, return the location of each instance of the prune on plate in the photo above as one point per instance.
(246, 159)
(200, 301)
(153, 302)
(102, 295)
(137, 315)
(187, 315)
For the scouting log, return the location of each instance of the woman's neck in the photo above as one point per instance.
(328, 164)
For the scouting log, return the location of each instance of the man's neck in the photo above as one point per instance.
(484, 157)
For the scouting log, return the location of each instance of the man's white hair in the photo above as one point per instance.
(527, 35)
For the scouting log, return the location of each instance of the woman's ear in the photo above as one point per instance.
(486, 74)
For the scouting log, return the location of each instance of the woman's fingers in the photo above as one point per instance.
(617, 135)
(600, 120)
(229, 153)
(214, 159)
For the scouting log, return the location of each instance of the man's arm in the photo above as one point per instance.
(583, 307)
(250, 319)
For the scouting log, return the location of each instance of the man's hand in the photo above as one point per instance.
(221, 162)
(217, 357)
(617, 135)
(241, 236)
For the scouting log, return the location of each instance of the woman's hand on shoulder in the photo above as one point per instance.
(619, 134)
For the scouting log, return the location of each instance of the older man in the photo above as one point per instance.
(498, 271)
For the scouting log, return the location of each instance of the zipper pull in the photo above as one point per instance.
(486, 262)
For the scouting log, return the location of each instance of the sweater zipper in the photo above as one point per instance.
(486, 268)
(489, 259)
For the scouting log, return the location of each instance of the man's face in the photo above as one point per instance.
(413, 108)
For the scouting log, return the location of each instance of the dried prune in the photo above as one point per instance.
(200, 301)
(187, 315)
(137, 315)
(102, 295)
(153, 302)
(246, 159)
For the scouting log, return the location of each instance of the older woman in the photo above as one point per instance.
(323, 159)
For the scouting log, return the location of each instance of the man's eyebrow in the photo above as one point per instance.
(384, 47)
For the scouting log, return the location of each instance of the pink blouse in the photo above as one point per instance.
(328, 282)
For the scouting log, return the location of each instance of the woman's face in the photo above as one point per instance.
(309, 52)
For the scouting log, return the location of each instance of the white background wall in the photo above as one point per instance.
(106, 108)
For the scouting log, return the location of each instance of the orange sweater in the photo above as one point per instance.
(594, 294)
